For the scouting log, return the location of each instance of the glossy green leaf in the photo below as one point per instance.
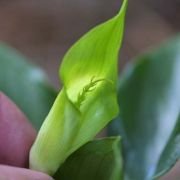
(25, 84)
(149, 99)
(88, 100)
(98, 159)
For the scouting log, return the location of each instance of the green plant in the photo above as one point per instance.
(147, 127)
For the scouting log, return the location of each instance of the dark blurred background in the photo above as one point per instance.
(43, 30)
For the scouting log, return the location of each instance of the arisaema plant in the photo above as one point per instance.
(145, 105)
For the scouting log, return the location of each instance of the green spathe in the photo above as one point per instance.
(88, 100)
